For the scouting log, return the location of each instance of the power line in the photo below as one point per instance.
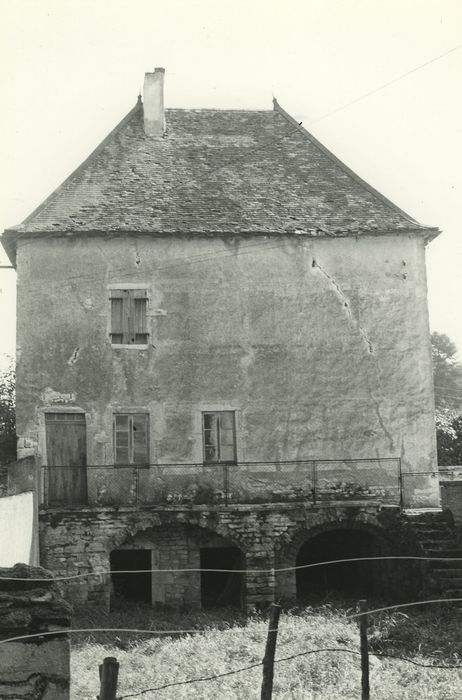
(325, 116)
(174, 263)
(296, 129)
(387, 84)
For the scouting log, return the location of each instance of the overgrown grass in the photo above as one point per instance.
(225, 641)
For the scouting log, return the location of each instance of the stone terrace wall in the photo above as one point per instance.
(76, 542)
(38, 668)
(451, 496)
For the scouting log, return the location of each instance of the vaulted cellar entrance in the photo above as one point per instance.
(342, 579)
(220, 588)
(127, 585)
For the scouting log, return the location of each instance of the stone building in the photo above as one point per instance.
(223, 361)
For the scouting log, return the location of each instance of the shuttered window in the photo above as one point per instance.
(131, 438)
(128, 317)
(219, 436)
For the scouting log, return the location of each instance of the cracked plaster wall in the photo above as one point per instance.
(320, 345)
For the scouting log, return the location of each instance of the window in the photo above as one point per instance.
(128, 317)
(219, 436)
(131, 438)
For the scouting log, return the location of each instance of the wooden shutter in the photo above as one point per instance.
(128, 316)
(117, 320)
(139, 304)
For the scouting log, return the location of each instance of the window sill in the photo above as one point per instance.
(219, 464)
(130, 346)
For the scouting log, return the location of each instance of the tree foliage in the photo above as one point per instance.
(447, 375)
(7, 416)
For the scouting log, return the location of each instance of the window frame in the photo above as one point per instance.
(216, 414)
(130, 446)
(131, 324)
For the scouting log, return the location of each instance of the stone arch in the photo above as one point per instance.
(363, 533)
(207, 522)
(184, 543)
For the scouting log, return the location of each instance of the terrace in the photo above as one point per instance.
(306, 481)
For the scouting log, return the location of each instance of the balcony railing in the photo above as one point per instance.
(224, 484)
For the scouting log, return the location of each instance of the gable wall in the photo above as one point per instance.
(321, 346)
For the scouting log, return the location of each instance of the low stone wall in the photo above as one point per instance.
(451, 496)
(78, 543)
(37, 668)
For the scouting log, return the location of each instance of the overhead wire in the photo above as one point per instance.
(387, 84)
(325, 116)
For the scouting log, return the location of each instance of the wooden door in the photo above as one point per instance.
(66, 441)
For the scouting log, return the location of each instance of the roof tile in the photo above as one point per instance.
(216, 171)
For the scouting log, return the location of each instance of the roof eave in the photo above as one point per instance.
(13, 234)
(277, 108)
(9, 246)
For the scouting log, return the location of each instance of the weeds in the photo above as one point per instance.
(226, 641)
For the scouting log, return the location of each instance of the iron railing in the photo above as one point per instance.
(246, 482)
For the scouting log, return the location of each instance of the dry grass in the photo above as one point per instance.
(223, 644)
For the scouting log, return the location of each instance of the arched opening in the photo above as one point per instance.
(164, 566)
(343, 579)
(226, 587)
(130, 575)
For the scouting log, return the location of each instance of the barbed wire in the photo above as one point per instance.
(287, 658)
(234, 671)
(271, 570)
(191, 680)
(403, 605)
(63, 631)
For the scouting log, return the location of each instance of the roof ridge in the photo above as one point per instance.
(79, 168)
(218, 109)
(277, 108)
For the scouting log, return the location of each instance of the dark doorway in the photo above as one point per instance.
(347, 579)
(131, 586)
(220, 588)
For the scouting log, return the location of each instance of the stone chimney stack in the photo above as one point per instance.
(153, 103)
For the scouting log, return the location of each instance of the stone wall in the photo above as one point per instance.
(80, 542)
(451, 496)
(37, 668)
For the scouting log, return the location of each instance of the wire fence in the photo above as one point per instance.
(312, 480)
(272, 570)
(268, 668)
(279, 660)
(110, 668)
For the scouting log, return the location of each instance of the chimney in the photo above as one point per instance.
(153, 103)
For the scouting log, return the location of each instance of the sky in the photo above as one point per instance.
(71, 69)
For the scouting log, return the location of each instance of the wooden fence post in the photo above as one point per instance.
(270, 651)
(108, 674)
(365, 691)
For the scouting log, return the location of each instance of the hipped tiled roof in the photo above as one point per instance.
(216, 172)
